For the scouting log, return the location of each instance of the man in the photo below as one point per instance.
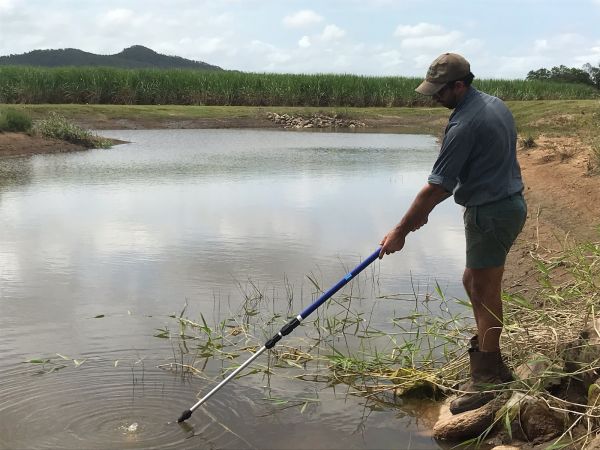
(477, 164)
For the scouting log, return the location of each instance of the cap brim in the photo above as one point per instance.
(429, 88)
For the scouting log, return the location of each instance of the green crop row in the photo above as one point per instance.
(93, 85)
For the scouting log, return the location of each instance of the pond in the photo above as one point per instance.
(99, 248)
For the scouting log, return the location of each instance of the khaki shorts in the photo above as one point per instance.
(491, 230)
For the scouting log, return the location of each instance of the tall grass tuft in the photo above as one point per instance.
(15, 121)
(100, 85)
(56, 126)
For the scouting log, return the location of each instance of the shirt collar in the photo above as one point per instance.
(471, 92)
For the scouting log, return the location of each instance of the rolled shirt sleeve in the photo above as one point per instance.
(454, 154)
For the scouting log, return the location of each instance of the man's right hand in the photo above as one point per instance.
(392, 242)
(416, 216)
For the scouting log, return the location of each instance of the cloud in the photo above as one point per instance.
(116, 17)
(428, 38)
(391, 59)
(441, 43)
(209, 45)
(261, 47)
(540, 45)
(278, 57)
(419, 30)
(265, 56)
(332, 33)
(569, 49)
(8, 5)
(590, 55)
(304, 42)
(560, 43)
(301, 19)
(504, 66)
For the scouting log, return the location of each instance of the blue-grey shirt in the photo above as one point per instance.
(478, 158)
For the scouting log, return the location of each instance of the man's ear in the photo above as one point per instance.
(460, 85)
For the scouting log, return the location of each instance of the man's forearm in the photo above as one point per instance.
(418, 213)
(415, 218)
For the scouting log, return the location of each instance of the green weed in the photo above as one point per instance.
(13, 120)
(56, 126)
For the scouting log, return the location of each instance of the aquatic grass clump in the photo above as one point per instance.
(414, 352)
(12, 120)
(53, 364)
(57, 127)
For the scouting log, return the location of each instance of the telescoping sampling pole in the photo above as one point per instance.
(285, 330)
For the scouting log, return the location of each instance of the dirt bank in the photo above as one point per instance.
(563, 198)
(21, 144)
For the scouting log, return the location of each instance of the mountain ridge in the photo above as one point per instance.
(134, 57)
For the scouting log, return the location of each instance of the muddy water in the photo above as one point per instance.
(99, 248)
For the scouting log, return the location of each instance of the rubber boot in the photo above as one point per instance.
(474, 342)
(485, 375)
(506, 374)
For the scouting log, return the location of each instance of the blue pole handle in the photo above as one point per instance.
(327, 295)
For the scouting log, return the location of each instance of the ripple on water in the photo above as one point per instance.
(99, 406)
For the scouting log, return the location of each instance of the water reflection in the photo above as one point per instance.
(132, 233)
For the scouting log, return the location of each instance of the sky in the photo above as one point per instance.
(501, 39)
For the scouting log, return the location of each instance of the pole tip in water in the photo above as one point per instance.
(185, 416)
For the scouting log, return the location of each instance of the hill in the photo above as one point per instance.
(135, 57)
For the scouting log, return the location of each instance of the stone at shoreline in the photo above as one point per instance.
(593, 401)
(469, 424)
(585, 353)
(539, 422)
(505, 447)
(594, 445)
(531, 418)
(539, 371)
(314, 121)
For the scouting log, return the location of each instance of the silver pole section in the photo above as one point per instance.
(229, 377)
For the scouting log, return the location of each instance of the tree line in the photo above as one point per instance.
(588, 74)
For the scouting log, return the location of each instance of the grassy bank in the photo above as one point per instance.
(559, 117)
(51, 125)
(572, 118)
(188, 87)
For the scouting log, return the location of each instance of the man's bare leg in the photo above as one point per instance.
(484, 287)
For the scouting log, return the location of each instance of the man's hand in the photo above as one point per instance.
(416, 216)
(392, 242)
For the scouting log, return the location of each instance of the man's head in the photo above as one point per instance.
(447, 80)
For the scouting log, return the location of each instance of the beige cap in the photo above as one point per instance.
(445, 68)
